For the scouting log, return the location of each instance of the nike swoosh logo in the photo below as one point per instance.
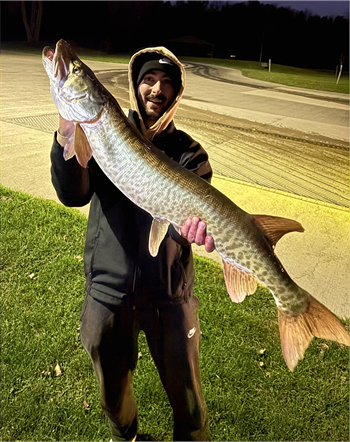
(191, 332)
(165, 61)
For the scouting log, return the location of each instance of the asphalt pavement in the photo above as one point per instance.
(318, 259)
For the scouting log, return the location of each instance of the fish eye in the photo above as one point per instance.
(76, 68)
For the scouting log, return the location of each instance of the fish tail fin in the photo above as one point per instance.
(298, 331)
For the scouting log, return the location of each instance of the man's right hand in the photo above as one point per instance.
(195, 231)
(66, 128)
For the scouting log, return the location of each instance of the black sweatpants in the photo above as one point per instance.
(109, 334)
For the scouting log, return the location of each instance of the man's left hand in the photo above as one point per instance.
(195, 231)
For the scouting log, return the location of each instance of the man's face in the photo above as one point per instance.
(155, 94)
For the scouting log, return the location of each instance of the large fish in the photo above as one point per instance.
(172, 194)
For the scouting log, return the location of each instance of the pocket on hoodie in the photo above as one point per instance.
(178, 283)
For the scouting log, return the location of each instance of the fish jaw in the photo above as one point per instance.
(76, 92)
(47, 60)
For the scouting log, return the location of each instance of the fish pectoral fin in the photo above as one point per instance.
(298, 331)
(275, 227)
(69, 150)
(239, 282)
(82, 147)
(157, 233)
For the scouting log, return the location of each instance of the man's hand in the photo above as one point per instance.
(65, 127)
(195, 231)
(65, 132)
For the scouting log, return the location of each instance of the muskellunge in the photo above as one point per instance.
(172, 194)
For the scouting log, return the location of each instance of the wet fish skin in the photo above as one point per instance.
(171, 194)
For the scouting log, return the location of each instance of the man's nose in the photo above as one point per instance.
(157, 87)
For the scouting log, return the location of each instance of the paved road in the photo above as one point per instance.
(305, 164)
(296, 143)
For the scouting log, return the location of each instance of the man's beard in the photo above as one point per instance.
(159, 98)
(153, 113)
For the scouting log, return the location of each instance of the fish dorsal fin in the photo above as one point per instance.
(275, 227)
(239, 282)
(82, 147)
(157, 233)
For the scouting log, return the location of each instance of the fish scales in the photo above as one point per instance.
(171, 193)
(152, 172)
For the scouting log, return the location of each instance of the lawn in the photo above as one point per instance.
(315, 79)
(48, 388)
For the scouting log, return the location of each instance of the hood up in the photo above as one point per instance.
(134, 68)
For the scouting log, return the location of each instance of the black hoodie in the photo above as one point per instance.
(117, 261)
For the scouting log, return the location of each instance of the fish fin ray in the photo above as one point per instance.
(157, 233)
(275, 227)
(82, 147)
(298, 331)
(239, 282)
(295, 338)
(325, 325)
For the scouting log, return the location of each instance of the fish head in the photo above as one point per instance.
(75, 90)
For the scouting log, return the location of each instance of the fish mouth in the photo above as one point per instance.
(63, 55)
(59, 60)
(48, 52)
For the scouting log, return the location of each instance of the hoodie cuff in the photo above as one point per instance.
(177, 237)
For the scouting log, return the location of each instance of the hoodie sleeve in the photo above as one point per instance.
(71, 181)
(183, 149)
(196, 160)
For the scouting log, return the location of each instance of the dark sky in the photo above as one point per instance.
(319, 7)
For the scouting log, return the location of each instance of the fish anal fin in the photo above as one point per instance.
(239, 282)
(82, 147)
(297, 331)
(275, 227)
(157, 233)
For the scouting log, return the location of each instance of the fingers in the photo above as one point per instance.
(195, 231)
(192, 230)
(209, 244)
(186, 228)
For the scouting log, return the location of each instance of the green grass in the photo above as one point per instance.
(250, 396)
(315, 79)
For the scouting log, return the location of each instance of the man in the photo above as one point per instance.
(127, 289)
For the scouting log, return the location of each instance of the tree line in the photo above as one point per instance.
(248, 30)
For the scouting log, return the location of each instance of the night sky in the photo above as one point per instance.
(315, 37)
(322, 8)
